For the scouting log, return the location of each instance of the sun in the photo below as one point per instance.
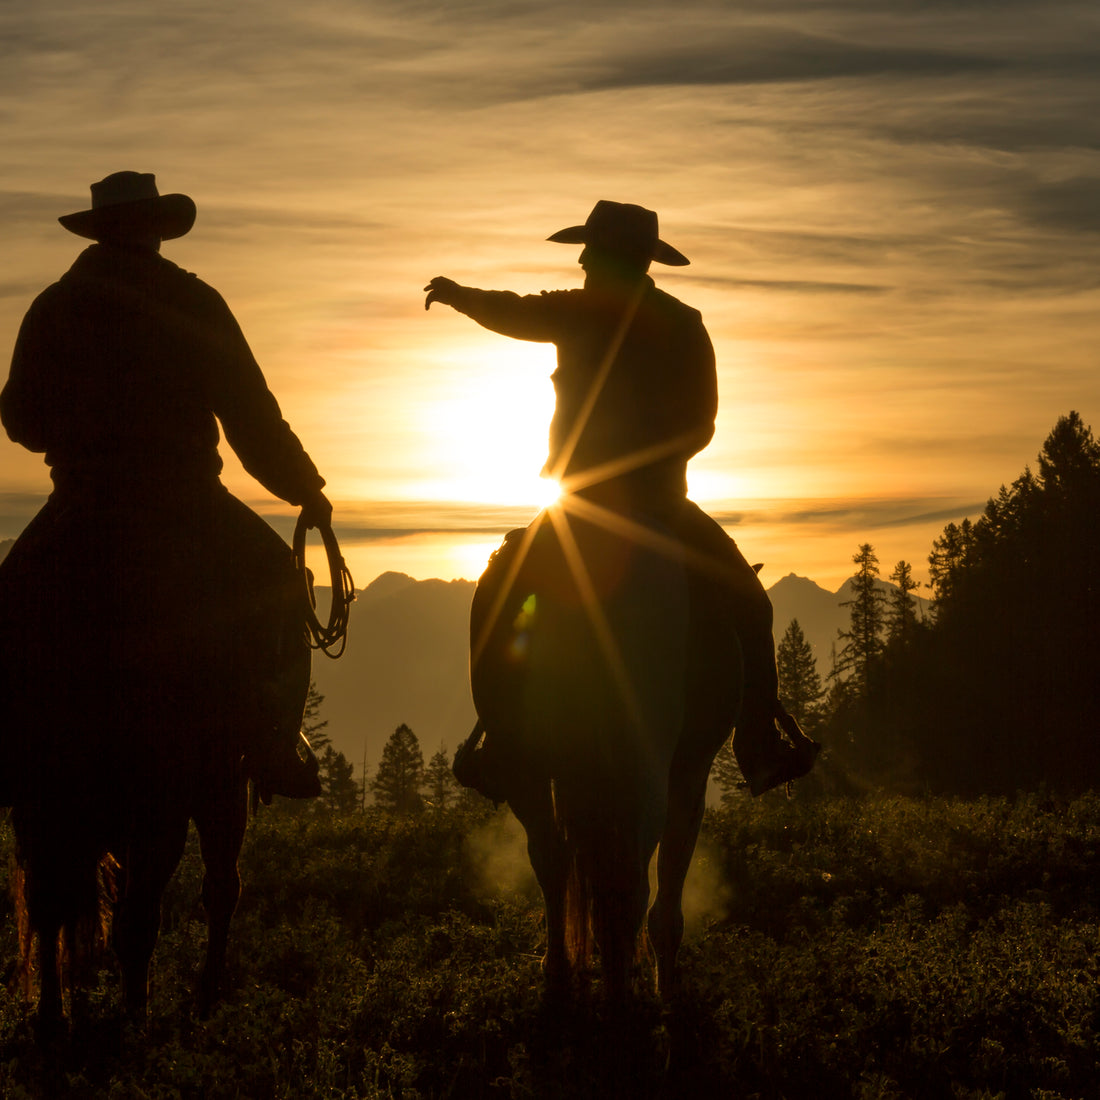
(485, 426)
(547, 492)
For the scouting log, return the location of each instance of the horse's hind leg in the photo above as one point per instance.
(44, 904)
(532, 803)
(150, 859)
(686, 803)
(621, 899)
(49, 1020)
(221, 826)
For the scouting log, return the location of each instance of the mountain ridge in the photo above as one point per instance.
(407, 658)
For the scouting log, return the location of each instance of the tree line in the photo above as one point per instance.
(403, 784)
(996, 689)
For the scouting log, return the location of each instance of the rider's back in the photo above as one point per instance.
(120, 370)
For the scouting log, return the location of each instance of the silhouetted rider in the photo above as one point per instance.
(120, 373)
(637, 396)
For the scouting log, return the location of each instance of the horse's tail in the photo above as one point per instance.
(601, 886)
(577, 900)
(23, 927)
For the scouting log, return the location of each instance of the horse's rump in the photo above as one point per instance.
(130, 629)
(556, 618)
(674, 621)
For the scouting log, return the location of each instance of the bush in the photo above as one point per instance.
(881, 948)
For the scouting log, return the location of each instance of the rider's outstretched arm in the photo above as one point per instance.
(536, 317)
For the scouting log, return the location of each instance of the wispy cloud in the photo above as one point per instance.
(794, 286)
(868, 516)
(1067, 205)
(889, 208)
(763, 55)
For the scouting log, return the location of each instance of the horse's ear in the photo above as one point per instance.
(758, 566)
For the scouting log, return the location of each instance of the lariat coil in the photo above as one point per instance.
(330, 637)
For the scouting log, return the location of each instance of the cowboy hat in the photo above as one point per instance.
(128, 200)
(625, 229)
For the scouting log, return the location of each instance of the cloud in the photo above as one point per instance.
(21, 505)
(795, 286)
(1069, 205)
(889, 208)
(237, 219)
(1058, 110)
(33, 206)
(433, 518)
(862, 514)
(756, 55)
(371, 521)
(21, 292)
(17, 510)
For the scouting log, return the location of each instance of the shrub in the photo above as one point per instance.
(881, 948)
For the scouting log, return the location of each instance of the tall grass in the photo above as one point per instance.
(879, 948)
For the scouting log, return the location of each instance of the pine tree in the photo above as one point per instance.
(799, 681)
(396, 786)
(951, 553)
(340, 791)
(864, 637)
(1070, 458)
(439, 780)
(901, 614)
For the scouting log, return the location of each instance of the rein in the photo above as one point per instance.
(330, 637)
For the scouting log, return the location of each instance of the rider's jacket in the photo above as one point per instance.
(121, 368)
(635, 382)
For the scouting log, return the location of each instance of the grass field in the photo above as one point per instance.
(886, 947)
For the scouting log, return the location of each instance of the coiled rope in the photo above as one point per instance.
(330, 637)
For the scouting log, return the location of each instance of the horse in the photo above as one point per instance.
(136, 692)
(607, 673)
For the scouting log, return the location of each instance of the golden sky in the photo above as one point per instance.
(891, 212)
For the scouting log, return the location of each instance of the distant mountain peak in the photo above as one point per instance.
(385, 585)
(793, 584)
(391, 579)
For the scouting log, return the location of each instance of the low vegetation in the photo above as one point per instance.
(886, 947)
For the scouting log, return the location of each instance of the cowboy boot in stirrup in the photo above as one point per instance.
(476, 765)
(290, 770)
(768, 758)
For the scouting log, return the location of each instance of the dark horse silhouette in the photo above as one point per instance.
(134, 689)
(606, 670)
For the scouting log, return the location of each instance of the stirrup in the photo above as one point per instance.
(789, 725)
(793, 763)
(291, 771)
(794, 756)
(470, 766)
(463, 766)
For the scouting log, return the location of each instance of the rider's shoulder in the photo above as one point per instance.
(675, 306)
(187, 283)
(560, 298)
(171, 270)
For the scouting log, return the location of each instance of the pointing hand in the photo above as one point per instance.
(442, 290)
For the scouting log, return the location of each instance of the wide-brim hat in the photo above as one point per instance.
(624, 229)
(128, 201)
